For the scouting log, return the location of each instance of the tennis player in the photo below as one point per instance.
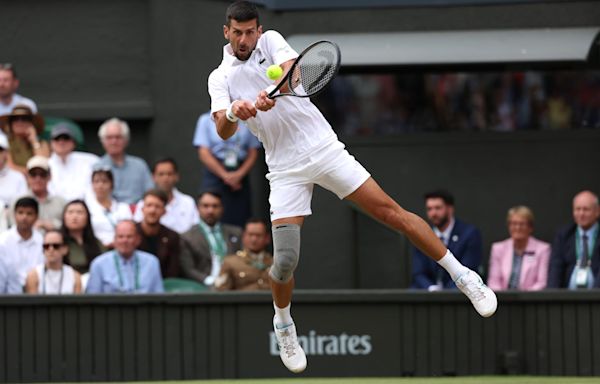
(302, 150)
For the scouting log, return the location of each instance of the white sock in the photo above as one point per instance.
(453, 266)
(283, 316)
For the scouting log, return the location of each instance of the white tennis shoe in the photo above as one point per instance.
(290, 351)
(483, 298)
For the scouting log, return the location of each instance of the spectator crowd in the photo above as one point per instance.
(74, 222)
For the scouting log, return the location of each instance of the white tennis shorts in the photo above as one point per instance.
(333, 168)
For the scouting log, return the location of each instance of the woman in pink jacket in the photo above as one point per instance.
(521, 261)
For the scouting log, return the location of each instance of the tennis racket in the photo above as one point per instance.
(311, 72)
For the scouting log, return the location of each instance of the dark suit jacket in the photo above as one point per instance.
(196, 260)
(166, 247)
(564, 258)
(464, 243)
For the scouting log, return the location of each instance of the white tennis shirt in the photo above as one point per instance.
(290, 131)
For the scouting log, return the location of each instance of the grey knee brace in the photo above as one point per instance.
(286, 249)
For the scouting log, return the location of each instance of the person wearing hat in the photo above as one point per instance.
(50, 206)
(12, 183)
(71, 170)
(23, 128)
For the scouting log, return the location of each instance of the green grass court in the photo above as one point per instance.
(420, 380)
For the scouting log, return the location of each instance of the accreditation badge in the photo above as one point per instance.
(581, 277)
(231, 159)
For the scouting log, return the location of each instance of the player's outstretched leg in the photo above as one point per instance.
(373, 200)
(286, 247)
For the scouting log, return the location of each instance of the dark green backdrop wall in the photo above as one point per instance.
(148, 60)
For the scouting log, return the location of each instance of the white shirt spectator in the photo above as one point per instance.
(12, 185)
(72, 179)
(22, 255)
(104, 221)
(6, 109)
(181, 215)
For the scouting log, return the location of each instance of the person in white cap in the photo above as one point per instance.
(12, 183)
(50, 206)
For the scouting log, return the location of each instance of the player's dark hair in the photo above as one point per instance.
(27, 202)
(163, 160)
(158, 193)
(241, 11)
(440, 194)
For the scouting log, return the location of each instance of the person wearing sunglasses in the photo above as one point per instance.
(53, 276)
(23, 129)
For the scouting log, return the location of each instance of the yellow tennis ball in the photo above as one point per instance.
(274, 72)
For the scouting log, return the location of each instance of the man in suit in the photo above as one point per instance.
(205, 245)
(462, 239)
(575, 260)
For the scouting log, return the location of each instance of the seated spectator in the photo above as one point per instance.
(521, 261)
(3, 218)
(227, 164)
(106, 212)
(12, 183)
(79, 236)
(9, 98)
(51, 207)
(125, 269)
(575, 259)
(23, 128)
(9, 279)
(462, 239)
(205, 245)
(181, 212)
(131, 173)
(21, 245)
(53, 276)
(71, 170)
(155, 237)
(248, 269)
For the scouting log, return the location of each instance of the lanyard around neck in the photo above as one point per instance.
(120, 274)
(579, 246)
(60, 282)
(216, 246)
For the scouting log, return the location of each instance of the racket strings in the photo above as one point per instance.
(315, 69)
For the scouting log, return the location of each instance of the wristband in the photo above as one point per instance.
(230, 115)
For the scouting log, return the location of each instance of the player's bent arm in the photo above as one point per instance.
(286, 68)
(225, 128)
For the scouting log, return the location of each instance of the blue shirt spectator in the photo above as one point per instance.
(125, 269)
(206, 136)
(226, 167)
(131, 173)
(9, 279)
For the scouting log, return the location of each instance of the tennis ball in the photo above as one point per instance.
(274, 72)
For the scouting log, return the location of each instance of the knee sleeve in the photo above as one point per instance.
(286, 252)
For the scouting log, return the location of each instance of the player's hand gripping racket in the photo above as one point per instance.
(311, 72)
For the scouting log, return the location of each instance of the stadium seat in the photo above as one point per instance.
(173, 285)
